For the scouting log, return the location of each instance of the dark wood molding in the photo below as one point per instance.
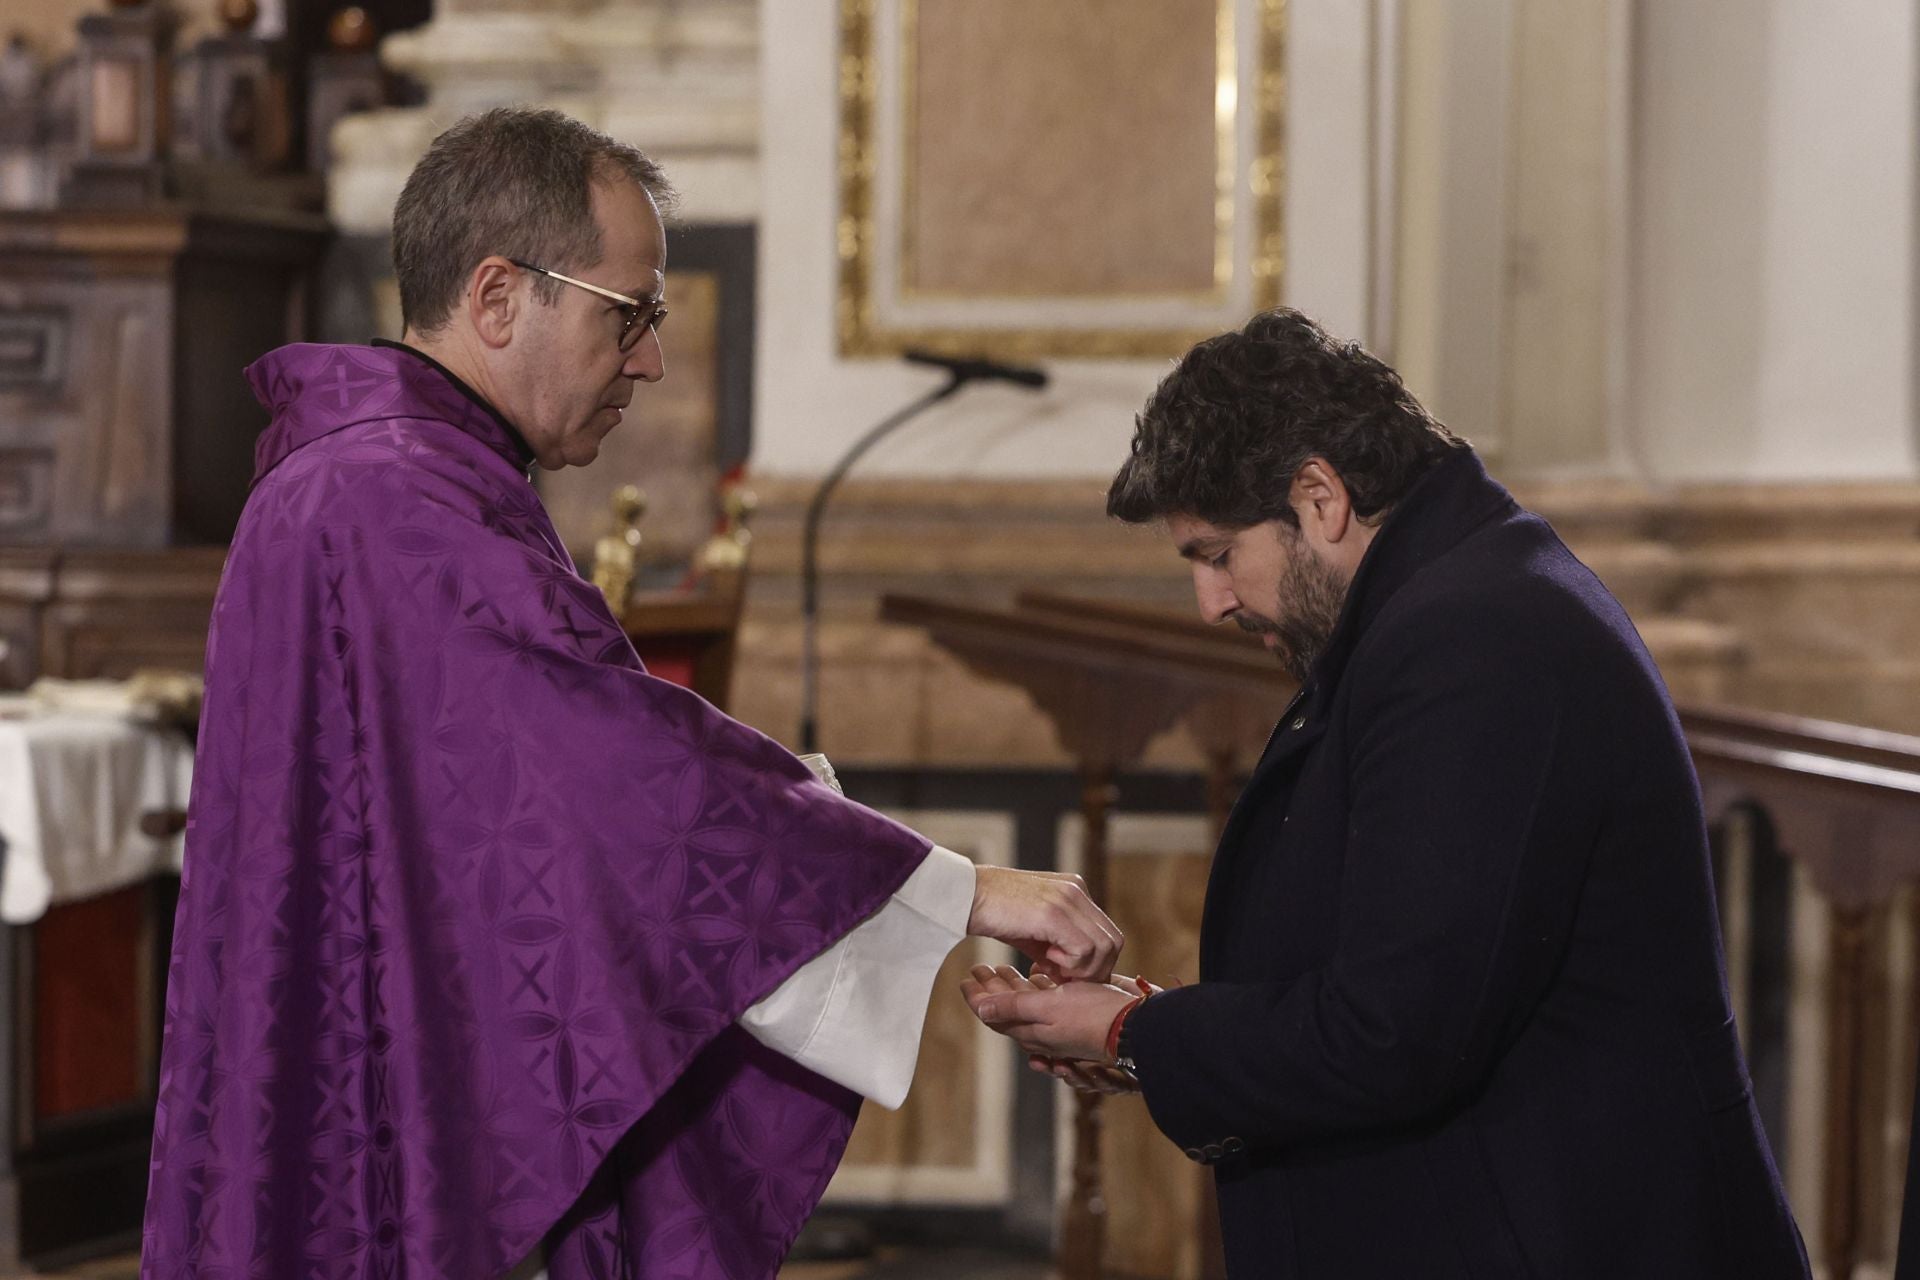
(125, 418)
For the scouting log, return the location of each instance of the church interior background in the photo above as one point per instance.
(1654, 258)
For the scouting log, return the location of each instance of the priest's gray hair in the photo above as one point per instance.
(516, 182)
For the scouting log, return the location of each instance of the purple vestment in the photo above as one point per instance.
(471, 902)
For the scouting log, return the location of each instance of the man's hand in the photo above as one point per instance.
(1069, 1021)
(1048, 918)
(1088, 1077)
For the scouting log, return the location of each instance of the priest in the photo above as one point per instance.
(494, 952)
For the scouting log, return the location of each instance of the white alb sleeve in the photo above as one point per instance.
(854, 1012)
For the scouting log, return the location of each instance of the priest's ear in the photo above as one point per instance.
(493, 300)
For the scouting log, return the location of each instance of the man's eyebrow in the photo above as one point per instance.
(1191, 548)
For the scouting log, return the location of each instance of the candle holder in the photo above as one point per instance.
(124, 66)
(616, 555)
(345, 79)
(239, 114)
(25, 155)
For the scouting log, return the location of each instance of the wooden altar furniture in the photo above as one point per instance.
(125, 420)
(87, 920)
(104, 614)
(26, 585)
(1108, 685)
(687, 637)
(82, 986)
(690, 636)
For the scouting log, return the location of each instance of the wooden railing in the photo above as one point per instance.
(1841, 803)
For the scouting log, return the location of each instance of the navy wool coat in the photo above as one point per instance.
(1462, 1011)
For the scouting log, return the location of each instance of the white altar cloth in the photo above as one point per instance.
(73, 788)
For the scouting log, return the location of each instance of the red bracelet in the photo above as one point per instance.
(1119, 1020)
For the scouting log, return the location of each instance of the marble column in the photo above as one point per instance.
(676, 78)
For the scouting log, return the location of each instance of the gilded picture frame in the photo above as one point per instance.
(1177, 262)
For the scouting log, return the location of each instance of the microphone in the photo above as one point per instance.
(981, 370)
(959, 374)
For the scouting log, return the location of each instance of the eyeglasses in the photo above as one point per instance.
(636, 316)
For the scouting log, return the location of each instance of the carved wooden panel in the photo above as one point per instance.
(32, 347)
(116, 612)
(125, 418)
(87, 428)
(104, 613)
(26, 493)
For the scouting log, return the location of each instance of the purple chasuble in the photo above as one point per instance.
(471, 902)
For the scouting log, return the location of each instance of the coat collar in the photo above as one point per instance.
(1452, 500)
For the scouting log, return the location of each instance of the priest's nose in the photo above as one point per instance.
(648, 360)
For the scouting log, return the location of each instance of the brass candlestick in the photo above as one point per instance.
(616, 554)
(726, 550)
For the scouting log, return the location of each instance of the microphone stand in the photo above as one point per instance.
(809, 550)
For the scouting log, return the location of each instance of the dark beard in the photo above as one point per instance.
(1312, 595)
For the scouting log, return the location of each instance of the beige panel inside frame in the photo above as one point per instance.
(1091, 178)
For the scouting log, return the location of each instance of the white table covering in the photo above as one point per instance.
(73, 788)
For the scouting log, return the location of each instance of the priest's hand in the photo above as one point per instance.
(1069, 1021)
(1048, 918)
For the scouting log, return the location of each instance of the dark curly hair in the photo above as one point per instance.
(1224, 434)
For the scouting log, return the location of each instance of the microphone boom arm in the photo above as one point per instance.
(810, 546)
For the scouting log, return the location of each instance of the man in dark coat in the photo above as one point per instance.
(1461, 1009)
